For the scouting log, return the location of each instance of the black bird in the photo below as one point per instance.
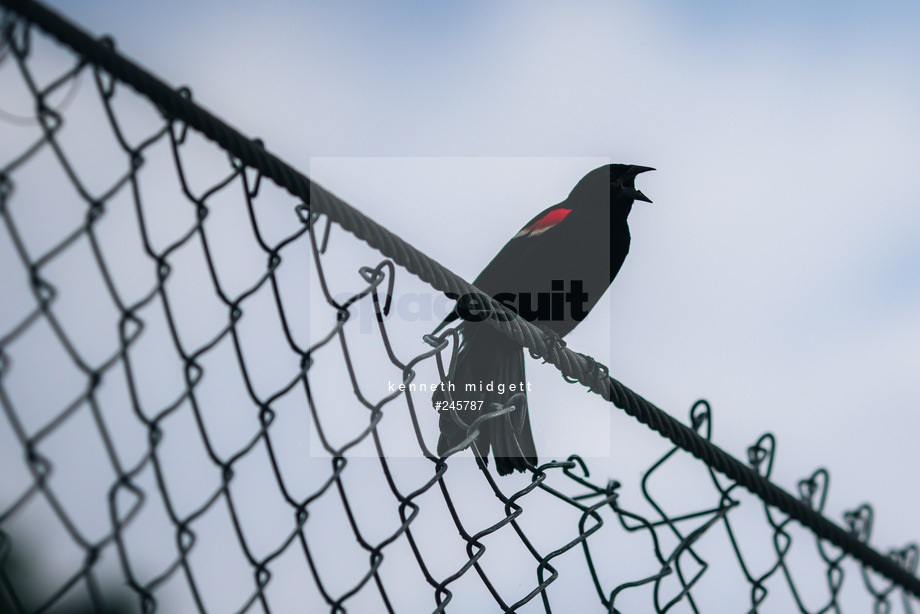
(552, 272)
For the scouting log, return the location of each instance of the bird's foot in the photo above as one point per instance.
(595, 373)
(552, 339)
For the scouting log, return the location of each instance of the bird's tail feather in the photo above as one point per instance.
(491, 363)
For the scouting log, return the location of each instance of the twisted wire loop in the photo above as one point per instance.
(176, 435)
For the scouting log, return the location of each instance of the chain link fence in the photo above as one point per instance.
(207, 403)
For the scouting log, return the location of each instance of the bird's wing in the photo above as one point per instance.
(521, 248)
(518, 249)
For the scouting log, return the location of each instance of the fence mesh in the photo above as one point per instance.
(196, 374)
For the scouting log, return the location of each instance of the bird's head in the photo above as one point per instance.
(618, 181)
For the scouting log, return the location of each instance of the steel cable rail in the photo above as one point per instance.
(176, 104)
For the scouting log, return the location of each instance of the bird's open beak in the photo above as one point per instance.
(635, 170)
(637, 195)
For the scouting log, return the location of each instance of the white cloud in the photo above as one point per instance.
(776, 272)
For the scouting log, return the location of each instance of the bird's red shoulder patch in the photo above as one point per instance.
(544, 223)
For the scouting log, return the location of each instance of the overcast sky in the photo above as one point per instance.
(777, 272)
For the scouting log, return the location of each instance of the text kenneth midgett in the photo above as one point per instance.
(449, 387)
